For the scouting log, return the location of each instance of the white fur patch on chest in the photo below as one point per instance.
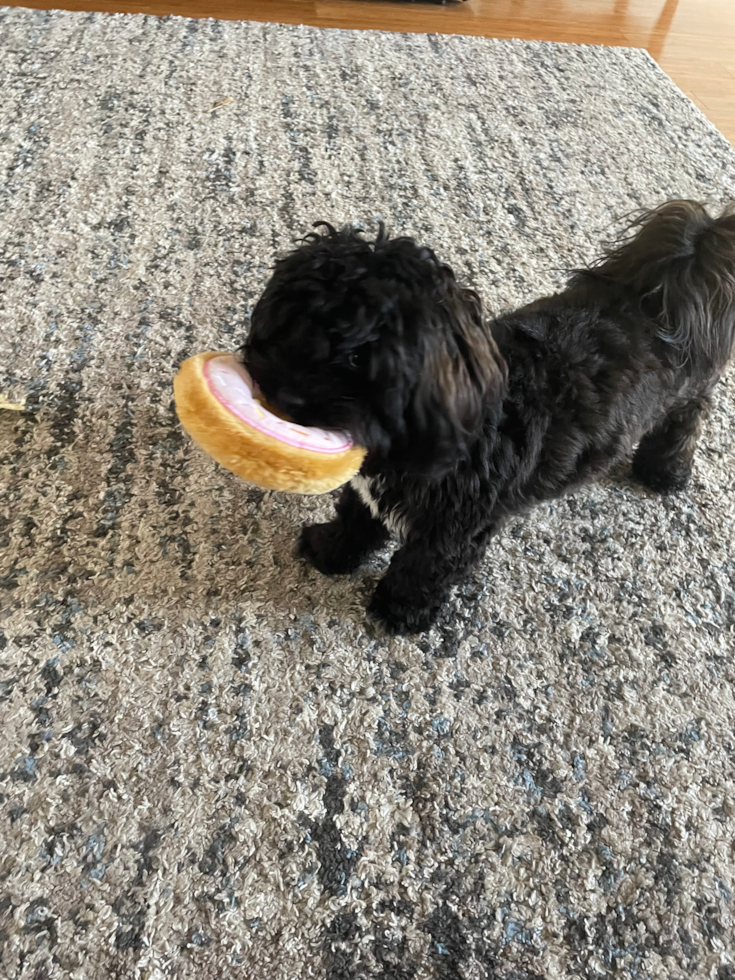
(368, 490)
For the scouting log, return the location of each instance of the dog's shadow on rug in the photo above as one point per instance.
(177, 537)
(242, 557)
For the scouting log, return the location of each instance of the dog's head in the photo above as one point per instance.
(377, 338)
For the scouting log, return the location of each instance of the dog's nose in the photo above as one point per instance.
(289, 400)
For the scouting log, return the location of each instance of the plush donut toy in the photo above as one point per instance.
(221, 409)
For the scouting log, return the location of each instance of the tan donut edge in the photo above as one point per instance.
(250, 454)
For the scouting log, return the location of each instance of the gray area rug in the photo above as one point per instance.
(210, 765)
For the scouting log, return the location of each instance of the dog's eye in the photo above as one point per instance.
(356, 358)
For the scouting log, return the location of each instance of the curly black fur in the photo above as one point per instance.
(467, 423)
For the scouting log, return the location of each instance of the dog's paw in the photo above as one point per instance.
(666, 477)
(323, 546)
(397, 616)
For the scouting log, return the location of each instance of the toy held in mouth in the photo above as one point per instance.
(221, 409)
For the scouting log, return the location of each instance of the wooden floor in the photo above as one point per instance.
(693, 40)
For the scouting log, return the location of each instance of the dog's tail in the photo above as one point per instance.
(680, 262)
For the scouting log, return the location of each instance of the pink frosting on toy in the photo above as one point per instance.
(232, 386)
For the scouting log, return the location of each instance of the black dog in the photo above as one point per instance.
(467, 423)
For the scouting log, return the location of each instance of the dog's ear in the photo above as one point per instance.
(462, 372)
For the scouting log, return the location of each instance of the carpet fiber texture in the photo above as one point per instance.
(210, 765)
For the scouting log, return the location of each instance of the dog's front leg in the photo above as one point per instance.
(418, 580)
(338, 547)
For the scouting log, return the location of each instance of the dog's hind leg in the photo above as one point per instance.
(341, 545)
(663, 460)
